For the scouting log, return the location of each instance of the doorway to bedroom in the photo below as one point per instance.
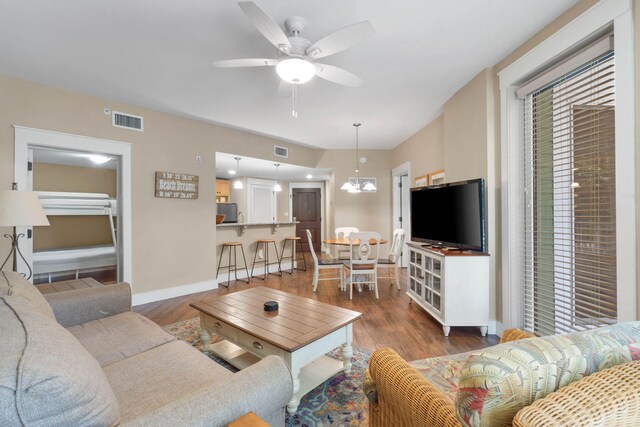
(79, 193)
(84, 185)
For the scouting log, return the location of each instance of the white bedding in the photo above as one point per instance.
(73, 259)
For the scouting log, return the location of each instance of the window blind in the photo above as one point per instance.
(569, 253)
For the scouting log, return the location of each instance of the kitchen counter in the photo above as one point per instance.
(247, 224)
(248, 233)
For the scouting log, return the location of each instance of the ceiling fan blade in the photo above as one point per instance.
(284, 89)
(340, 40)
(249, 62)
(337, 75)
(266, 25)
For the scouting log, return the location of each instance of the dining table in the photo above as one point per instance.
(344, 241)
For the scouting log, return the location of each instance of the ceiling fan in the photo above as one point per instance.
(295, 61)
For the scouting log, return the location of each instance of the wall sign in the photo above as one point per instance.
(173, 185)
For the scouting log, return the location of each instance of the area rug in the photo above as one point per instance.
(339, 401)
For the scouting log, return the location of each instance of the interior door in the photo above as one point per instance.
(262, 206)
(307, 210)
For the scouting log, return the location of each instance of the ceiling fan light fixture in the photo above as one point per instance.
(295, 70)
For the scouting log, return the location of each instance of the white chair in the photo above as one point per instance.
(393, 259)
(363, 260)
(344, 232)
(323, 264)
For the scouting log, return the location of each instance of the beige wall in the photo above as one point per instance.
(367, 211)
(51, 177)
(73, 231)
(173, 240)
(465, 131)
(282, 202)
(425, 150)
(471, 138)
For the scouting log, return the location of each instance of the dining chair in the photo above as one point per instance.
(393, 259)
(363, 260)
(324, 264)
(344, 232)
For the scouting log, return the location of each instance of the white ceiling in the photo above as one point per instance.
(71, 158)
(258, 168)
(158, 54)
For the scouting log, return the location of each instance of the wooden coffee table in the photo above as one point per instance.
(302, 331)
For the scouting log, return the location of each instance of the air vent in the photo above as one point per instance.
(128, 121)
(280, 151)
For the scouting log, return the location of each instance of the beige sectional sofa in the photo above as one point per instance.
(82, 357)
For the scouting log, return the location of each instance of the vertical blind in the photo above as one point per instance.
(570, 207)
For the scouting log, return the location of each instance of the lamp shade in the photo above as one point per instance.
(21, 209)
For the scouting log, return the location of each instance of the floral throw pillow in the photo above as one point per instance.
(497, 382)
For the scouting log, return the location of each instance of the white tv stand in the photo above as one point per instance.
(452, 286)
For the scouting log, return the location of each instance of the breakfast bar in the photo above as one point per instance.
(248, 233)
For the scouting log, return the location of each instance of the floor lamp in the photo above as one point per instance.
(19, 209)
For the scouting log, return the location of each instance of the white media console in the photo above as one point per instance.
(452, 286)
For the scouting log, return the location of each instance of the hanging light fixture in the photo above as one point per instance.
(356, 187)
(237, 184)
(277, 186)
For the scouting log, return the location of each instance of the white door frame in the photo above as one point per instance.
(26, 138)
(600, 15)
(315, 184)
(396, 174)
(256, 182)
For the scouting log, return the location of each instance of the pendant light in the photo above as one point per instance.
(237, 184)
(277, 186)
(356, 187)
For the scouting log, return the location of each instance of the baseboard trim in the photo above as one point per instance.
(177, 291)
(193, 288)
(492, 329)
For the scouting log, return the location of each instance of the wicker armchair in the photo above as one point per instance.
(400, 396)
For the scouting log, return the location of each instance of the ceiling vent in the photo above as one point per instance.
(128, 121)
(280, 151)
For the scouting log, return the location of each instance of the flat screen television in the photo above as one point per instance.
(450, 215)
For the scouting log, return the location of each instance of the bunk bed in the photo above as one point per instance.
(49, 261)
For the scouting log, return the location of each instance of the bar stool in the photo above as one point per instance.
(230, 266)
(294, 240)
(265, 245)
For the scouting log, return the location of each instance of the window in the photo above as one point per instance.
(569, 242)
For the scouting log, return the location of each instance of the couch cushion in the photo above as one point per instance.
(12, 283)
(46, 376)
(499, 381)
(116, 337)
(149, 380)
(443, 372)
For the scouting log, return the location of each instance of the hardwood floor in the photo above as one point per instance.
(388, 322)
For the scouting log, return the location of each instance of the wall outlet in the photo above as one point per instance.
(261, 254)
(198, 160)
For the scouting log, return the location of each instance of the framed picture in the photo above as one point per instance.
(436, 177)
(421, 181)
